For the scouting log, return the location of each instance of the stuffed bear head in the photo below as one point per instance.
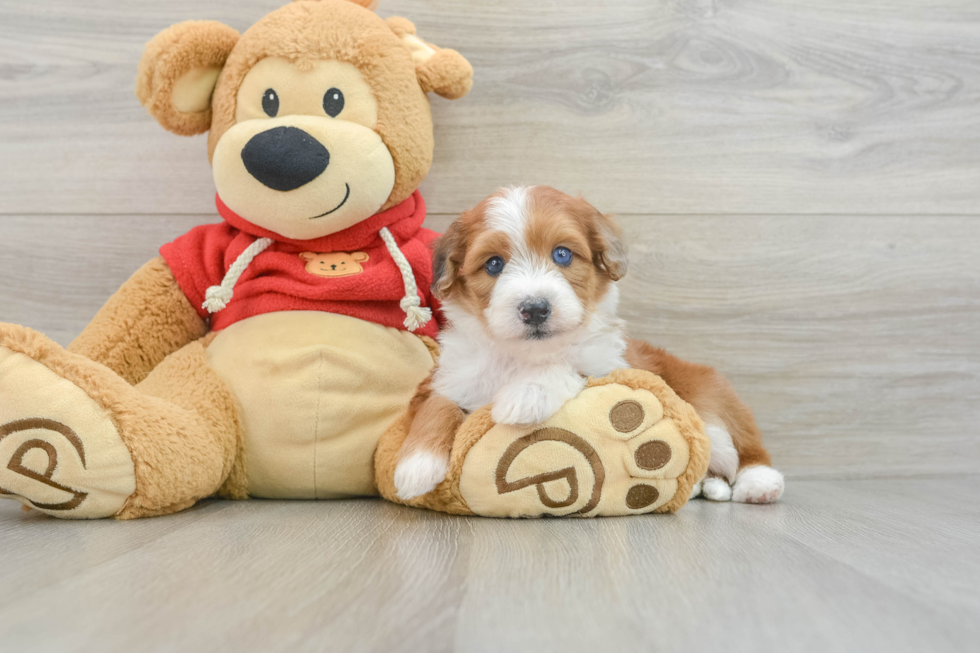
(318, 114)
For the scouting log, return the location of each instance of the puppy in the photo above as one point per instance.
(527, 281)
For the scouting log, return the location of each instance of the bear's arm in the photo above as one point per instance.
(145, 321)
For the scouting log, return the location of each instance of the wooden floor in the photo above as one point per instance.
(799, 182)
(878, 565)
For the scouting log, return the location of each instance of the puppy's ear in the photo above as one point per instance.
(609, 251)
(440, 70)
(178, 72)
(450, 250)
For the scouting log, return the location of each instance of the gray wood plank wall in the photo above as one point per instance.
(800, 183)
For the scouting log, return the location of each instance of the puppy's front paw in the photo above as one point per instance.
(532, 403)
(524, 404)
(419, 473)
(716, 489)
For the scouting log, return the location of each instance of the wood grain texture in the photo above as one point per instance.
(854, 340)
(839, 566)
(800, 186)
(652, 106)
(57, 271)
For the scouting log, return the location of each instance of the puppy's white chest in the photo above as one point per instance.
(472, 379)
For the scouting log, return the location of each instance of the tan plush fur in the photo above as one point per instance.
(189, 433)
(443, 71)
(145, 321)
(446, 74)
(180, 424)
(171, 54)
(400, 26)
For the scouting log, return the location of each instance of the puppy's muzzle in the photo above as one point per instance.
(285, 158)
(534, 312)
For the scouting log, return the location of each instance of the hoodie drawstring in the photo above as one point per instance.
(217, 297)
(416, 316)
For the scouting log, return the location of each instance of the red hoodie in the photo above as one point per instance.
(288, 276)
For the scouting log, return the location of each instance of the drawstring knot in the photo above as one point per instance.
(416, 316)
(217, 297)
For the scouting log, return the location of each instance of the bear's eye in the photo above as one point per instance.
(333, 102)
(494, 266)
(270, 103)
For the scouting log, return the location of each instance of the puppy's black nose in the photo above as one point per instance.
(285, 158)
(534, 311)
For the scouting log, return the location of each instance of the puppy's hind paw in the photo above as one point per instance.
(758, 484)
(419, 473)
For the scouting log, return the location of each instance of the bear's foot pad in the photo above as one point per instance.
(60, 452)
(609, 451)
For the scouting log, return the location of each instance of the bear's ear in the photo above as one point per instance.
(441, 71)
(178, 71)
(307, 256)
(360, 257)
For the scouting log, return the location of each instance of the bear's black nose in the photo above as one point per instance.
(285, 158)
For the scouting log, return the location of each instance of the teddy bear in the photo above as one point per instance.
(275, 353)
(230, 365)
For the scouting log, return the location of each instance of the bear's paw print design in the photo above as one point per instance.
(609, 451)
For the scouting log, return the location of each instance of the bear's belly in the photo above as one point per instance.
(316, 391)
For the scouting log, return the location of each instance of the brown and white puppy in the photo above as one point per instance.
(527, 281)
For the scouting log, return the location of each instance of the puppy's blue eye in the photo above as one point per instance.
(562, 256)
(494, 266)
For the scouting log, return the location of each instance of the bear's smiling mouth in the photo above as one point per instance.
(342, 202)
